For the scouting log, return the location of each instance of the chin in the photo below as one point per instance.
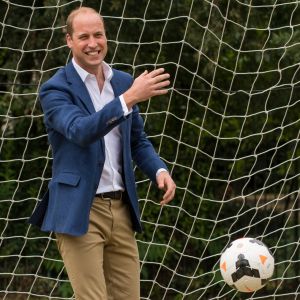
(92, 67)
(94, 60)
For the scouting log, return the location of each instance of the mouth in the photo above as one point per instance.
(93, 53)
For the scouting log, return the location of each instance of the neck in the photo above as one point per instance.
(100, 77)
(98, 72)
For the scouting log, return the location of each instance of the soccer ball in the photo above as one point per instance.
(247, 264)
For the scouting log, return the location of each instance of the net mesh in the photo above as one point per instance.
(228, 131)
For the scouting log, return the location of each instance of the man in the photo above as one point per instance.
(95, 131)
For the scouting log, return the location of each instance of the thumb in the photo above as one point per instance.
(143, 74)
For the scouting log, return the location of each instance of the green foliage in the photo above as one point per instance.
(218, 74)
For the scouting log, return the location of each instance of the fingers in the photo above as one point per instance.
(159, 81)
(156, 79)
(166, 183)
(168, 196)
(162, 84)
(157, 75)
(160, 92)
(161, 78)
(156, 72)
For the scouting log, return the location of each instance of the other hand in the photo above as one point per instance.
(166, 183)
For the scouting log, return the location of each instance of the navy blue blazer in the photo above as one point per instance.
(75, 132)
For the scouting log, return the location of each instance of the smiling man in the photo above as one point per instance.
(87, 40)
(95, 131)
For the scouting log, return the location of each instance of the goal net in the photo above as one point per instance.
(228, 131)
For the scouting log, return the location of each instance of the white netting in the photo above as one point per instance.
(228, 130)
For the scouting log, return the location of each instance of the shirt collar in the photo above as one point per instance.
(107, 71)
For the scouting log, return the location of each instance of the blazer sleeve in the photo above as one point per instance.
(143, 152)
(65, 113)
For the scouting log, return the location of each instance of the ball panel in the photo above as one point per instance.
(248, 284)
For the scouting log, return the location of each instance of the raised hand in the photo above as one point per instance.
(147, 85)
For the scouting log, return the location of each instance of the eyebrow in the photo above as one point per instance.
(82, 34)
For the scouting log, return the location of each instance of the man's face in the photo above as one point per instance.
(88, 41)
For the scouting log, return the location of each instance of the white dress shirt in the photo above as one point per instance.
(111, 177)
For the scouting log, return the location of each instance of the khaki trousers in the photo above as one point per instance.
(103, 264)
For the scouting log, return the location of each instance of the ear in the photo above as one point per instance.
(69, 40)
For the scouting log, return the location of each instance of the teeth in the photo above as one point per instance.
(93, 53)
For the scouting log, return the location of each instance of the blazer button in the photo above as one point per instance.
(111, 121)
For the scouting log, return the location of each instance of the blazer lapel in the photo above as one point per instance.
(118, 89)
(79, 87)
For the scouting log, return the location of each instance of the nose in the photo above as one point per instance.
(92, 42)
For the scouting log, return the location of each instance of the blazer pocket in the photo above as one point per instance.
(67, 178)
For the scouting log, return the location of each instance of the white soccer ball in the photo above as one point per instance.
(247, 264)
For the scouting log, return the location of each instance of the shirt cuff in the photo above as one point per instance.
(124, 106)
(160, 170)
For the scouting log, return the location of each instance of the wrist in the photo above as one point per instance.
(129, 99)
(161, 170)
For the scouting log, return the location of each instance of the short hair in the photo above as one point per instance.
(77, 11)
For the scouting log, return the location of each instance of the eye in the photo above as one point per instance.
(99, 34)
(82, 37)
